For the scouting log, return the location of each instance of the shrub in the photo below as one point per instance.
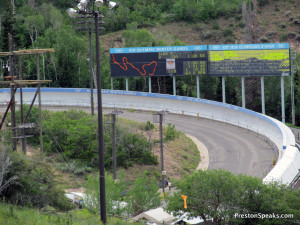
(241, 24)
(264, 39)
(215, 25)
(206, 35)
(149, 126)
(228, 32)
(262, 3)
(282, 25)
(36, 185)
(283, 37)
(229, 40)
(74, 134)
(170, 133)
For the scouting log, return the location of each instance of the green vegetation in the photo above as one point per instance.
(41, 24)
(14, 215)
(171, 132)
(73, 134)
(142, 195)
(29, 182)
(219, 194)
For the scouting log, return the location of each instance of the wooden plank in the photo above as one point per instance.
(27, 52)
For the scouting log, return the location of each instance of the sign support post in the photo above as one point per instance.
(174, 85)
(223, 90)
(150, 87)
(262, 86)
(127, 88)
(282, 99)
(198, 86)
(243, 92)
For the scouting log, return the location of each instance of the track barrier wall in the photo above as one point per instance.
(288, 155)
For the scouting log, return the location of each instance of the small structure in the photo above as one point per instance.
(15, 81)
(158, 216)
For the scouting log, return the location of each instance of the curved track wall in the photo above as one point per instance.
(288, 157)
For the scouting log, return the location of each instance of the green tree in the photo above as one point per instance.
(34, 25)
(8, 26)
(218, 195)
(138, 37)
(113, 189)
(36, 185)
(143, 195)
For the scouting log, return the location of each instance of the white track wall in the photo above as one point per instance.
(288, 157)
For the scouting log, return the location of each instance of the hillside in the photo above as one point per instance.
(282, 25)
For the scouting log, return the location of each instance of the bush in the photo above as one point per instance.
(283, 37)
(149, 126)
(171, 132)
(206, 35)
(215, 25)
(264, 39)
(228, 32)
(241, 24)
(262, 3)
(36, 185)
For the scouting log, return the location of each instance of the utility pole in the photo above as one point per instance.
(12, 92)
(23, 134)
(114, 115)
(91, 69)
(40, 103)
(158, 118)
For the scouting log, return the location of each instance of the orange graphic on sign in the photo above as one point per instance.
(125, 61)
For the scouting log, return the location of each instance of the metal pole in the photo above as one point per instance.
(293, 99)
(100, 127)
(198, 86)
(127, 85)
(262, 86)
(114, 155)
(161, 151)
(91, 70)
(223, 90)
(174, 85)
(150, 85)
(112, 83)
(282, 100)
(243, 92)
(40, 102)
(23, 134)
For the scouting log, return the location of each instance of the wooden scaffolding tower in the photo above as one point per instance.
(15, 81)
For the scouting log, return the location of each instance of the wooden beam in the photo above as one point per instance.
(26, 52)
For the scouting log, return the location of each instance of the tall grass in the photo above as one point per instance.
(13, 215)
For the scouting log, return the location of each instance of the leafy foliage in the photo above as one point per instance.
(170, 133)
(113, 194)
(142, 195)
(35, 186)
(73, 134)
(40, 24)
(218, 195)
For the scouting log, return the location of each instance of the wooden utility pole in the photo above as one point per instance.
(12, 92)
(40, 103)
(23, 134)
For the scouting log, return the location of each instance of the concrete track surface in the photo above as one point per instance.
(232, 148)
(229, 147)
